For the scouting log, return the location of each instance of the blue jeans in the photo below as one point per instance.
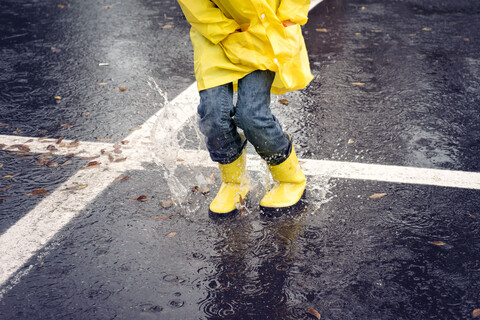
(219, 120)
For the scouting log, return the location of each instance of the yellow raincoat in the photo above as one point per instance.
(222, 54)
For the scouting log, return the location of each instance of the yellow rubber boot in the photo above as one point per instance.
(289, 185)
(234, 188)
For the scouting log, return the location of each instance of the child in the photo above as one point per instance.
(256, 47)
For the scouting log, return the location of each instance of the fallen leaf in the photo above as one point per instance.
(42, 131)
(78, 187)
(476, 313)
(321, 30)
(358, 83)
(125, 142)
(52, 164)
(69, 155)
(167, 26)
(284, 102)
(59, 140)
(121, 159)
(314, 313)
(6, 187)
(1, 165)
(72, 144)
(195, 188)
(9, 176)
(65, 125)
(358, 34)
(2, 145)
(363, 8)
(51, 147)
(63, 5)
(427, 29)
(162, 217)
(90, 158)
(66, 162)
(141, 198)
(180, 160)
(121, 178)
(147, 143)
(377, 195)
(85, 113)
(466, 39)
(167, 203)
(472, 216)
(412, 34)
(92, 164)
(438, 243)
(240, 204)
(17, 132)
(37, 192)
(205, 190)
(171, 234)
(54, 49)
(135, 128)
(102, 83)
(351, 141)
(122, 89)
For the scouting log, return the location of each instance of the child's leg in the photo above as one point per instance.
(254, 116)
(225, 146)
(216, 111)
(263, 130)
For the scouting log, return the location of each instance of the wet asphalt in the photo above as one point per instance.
(396, 83)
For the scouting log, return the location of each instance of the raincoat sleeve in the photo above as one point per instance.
(208, 20)
(294, 10)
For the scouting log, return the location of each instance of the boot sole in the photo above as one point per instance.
(290, 210)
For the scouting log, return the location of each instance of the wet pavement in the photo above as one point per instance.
(396, 83)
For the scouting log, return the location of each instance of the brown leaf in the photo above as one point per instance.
(90, 158)
(17, 132)
(427, 29)
(167, 203)
(78, 187)
(472, 216)
(59, 140)
(102, 83)
(476, 313)
(66, 162)
(65, 125)
(377, 195)
(124, 142)
(438, 243)
(23, 147)
(85, 113)
(121, 159)
(37, 192)
(284, 102)
(63, 5)
(52, 164)
(167, 26)
(6, 187)
(162, 217)
(92, 164)
(2, 145)
(69, 155)
(358, 84)
(121, 178)
(171, 234)
(141, 198)
(122, 89)
(314, 313)
(51, 147)
(72, 144)
(321, 30)
(180, 160)
(195, 188)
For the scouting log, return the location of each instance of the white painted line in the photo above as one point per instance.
(314, 3)
(359, 171)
